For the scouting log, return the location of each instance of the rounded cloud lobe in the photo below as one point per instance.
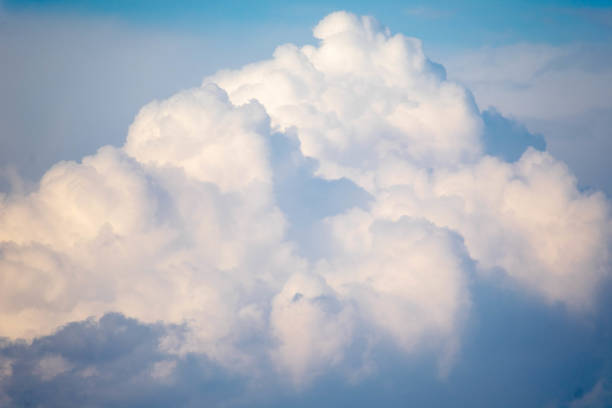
(185, 223)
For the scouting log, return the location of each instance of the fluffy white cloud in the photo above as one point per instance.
(527, 217)
(155, 240)
(312, 324)
(360, 100)
(392, 124)
(202, 133)
(407, 278)
(182, 224)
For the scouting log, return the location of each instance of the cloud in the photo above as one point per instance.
(368, 90)
(403, 152)
(559, 91)
(191, 234)
(110, 361)
(190, 222)
(548, 359)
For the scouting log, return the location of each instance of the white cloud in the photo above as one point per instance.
(155, 240)
(406, 278)
(225, 146)
(528, 218)
(362, 100)
(182, 225)
(411, 130)
(312, 325)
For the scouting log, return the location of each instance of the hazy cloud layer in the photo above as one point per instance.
(198, 221)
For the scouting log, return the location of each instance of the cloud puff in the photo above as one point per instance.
(362, 101)
(527, 218)
(111, 233)
(189, 222)
(400, 130)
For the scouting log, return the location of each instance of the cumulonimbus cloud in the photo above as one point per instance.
(183, 223)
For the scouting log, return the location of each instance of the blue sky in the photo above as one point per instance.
(454, 24)
(353, 223)
(245, 11)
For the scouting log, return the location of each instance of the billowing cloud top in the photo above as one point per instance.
(219, 215)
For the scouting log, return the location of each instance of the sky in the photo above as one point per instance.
(305, 204)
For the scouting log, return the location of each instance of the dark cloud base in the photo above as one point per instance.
(109, 364)
(516, 351)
